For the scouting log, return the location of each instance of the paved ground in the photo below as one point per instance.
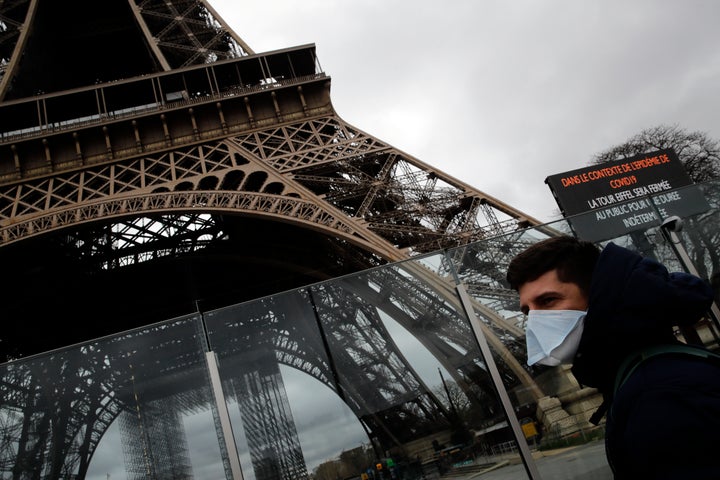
(586, 462)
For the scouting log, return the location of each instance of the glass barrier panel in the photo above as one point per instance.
(133, 405)
(281, 390)
(409, 367)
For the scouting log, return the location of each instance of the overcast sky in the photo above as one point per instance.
(498, 93)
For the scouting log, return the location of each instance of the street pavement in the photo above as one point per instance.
(586, 462)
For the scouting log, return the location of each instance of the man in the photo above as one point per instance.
(613, 311)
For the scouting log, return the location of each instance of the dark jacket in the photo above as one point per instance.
(634, 303)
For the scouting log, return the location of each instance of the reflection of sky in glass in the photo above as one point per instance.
(326, 426)
(419, 358)
(108, 461)
(240, 441)
(203, 446)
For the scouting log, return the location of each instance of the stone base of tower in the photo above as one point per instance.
(567, 408)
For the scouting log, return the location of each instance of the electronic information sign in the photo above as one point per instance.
(615, 198)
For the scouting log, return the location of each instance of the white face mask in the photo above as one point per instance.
(553, 336)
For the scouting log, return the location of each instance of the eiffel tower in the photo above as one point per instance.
(152, 165)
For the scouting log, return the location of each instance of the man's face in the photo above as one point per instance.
(547, 292)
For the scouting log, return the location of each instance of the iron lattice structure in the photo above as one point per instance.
(198, 153)
(152, 164)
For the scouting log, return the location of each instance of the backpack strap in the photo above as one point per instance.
(599, 413)
(632, 361)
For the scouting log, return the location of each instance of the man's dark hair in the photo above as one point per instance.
(574, 260)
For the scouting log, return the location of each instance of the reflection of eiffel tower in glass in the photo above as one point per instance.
(151, 164)
(267, 420)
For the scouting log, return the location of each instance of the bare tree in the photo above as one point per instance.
(697, 152)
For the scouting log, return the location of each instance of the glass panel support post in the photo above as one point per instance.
(224, 415)
(523, 447)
